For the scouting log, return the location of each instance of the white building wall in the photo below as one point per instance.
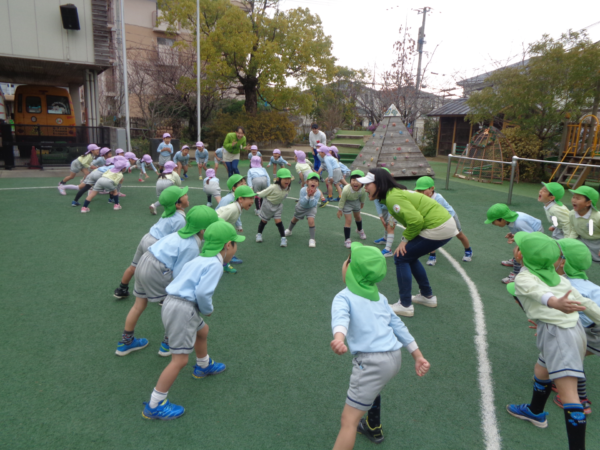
(140, 13)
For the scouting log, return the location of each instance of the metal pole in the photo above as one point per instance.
(198, 62)
(448, 171)
(513, 165)
(125, 84)
(420, 42)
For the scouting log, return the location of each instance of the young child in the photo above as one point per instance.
(142, 164)
(277, 161)
(189, 296)
(165, 150)
(501, 216)
(233, 183)
(375, 335)
(258, 180)
(201, 158)
(175, 201)
(163, 262)
(310, 195)
(389, 226)
(165, 179)
(560, 336)
(83, 164)
(303, 167)
(132, 159)
(556, 213)
(100, 161)
(585, 219)
(351, 202)
(272, 204)
(91, 179)
(254, 152)
(218, 157)
(345, 170)
(182, 159)
(211, 187)
(334, 174)
(119, 152)
(109, 181)
(426, 186)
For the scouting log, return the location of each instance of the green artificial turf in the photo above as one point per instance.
(354, 133)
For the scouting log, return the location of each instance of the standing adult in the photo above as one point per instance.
(234, 142)
(428, 227)
(315, 137)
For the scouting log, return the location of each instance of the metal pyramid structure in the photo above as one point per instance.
(392, 146)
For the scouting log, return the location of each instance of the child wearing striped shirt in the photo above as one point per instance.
(351, 202)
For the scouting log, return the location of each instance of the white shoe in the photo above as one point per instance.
(153, 209)
(256, 212)
(283, 242)
(348, 243)
(209, 205)
(361, 234)
(258, 237)
(61, 190)
(312, 243)
(402, 311)
(422, 300)
(288, 233)
(200, 178)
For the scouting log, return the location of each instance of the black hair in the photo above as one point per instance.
(354, 177)
(278, 182)
(317, 179)
(314, 125)
(163, 175)
(384, 182)
(237, 184)
(240, 128)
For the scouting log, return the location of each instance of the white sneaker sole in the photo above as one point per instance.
(405, 313)
(127, 352)
(428, 304)
(543, 424)
(164, 354)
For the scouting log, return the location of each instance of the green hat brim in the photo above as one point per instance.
(197, 219)
(586, 194)
(313, 175)
(360, 173)
(233, 180)
(424, 183)
(510, 287)
(244, 191)
(556, 198)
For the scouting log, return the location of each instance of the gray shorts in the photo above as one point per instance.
(594, 246)
(350, 206)
(260, 184)
(457, 221)
(76, 166)
(212, 190)
(306, 173)
(162, 160)
(201, 161)
(300, 212)
(270, 211)
(558, 234)
(561, 350)
(388, 218)
(142, 247)
(92, 178)
(105, 184)
(337, 175)
(162, 184)
(370, 373)
(217, 162)
(151, 278)
(181, 319)
(593, 339)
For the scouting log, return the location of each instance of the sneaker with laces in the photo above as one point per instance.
(164, 411)
(431, 261)
(312, 243)
(587, 405)
(61, 190)
(380, 241)
(324, 203)
(200, 178)
(85, 210)
(136, 344)
(508, 263)
(522, 412)
(213, 368)
(387, 253)
(425, 301)
(122, 195)
(287, 233)
(283, 242)
(74, 203)
(153, 209)
(509, 279)
(117, 207)
(121, 293)
(361, 234)
(468, 256)
(402, 310)
(164, 349)
(236, 260)
(372, 434)
(348, 243)
(228, 268)
(259, 237)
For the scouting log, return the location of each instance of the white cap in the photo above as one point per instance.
(369, 178)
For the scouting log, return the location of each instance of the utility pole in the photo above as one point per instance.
(198, 64)
(420, 42)
(125, 85)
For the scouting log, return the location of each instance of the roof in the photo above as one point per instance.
(457, 107)
(480, 79)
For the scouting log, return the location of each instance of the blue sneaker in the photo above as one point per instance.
(236, 260)
(522, 412)
(468, 256)
(387, 253)
(381, 241)
(164, 350)
(125, 349)
(110, 200)
(213, 368)
(431, 261)
(181, 178)
(185, 175)
(164, 411)
(74, 203)
(337, 199)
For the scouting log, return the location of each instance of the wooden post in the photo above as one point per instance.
(470, 133)
(564, 140)
(454, 131)
(437, 148)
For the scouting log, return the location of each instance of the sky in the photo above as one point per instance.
(469, 37)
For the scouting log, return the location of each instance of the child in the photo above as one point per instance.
(585, 219)
(119, 152)
(560, 337)
(165, 150)
(175, 201)
(218, 157)
(316, 138)
(277, 161)
(101, 160)
(165, 179)
(244, 197)
(258, 180)
(91, 179)
(557, 213)
(345, 170)
(254, 152)
(232, 184)
(389, 225)
(375, 336)
(272, 204)
(83, 163)
(307, 207)
(158, 267)
(425, 185)
(201, 158)
(334, 174)
(132, 159)
(501, 216)
(142, 165)
(109, 181)
(303, 168)
(351, 202)
(211, 187)
(189, 295)
(182, 159)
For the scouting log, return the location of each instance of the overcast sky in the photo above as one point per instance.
(469, 35)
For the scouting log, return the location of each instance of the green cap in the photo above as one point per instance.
(556, 190)
(244, 191)
(169, 197)
(500, 211)
(217, 235)
(197, 219)
(424, 183)
(367, 267)
(284, 173)
(360, 173)
(387, 170)
(589, 192)
(233, 180)
(540, 252)
(313, 175)
(510, 287)
(578, 258)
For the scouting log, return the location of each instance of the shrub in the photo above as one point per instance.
(140, 146)
(527, 145)
(429, 139)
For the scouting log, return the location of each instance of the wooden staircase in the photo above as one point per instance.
(571, 176)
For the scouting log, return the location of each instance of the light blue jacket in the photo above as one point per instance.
(219, 153)
(380, 207)
(442, 201)
(306, 202)
(525, 222)
(174, 251)
(257, 172)
(99, 162)
(228, 200)
(344, 168)
(164, 149)
(250, 155)
(589, 290)
(279, 161)
(201, 155)
(184, 160)
(142, 166)
(168, 225)
(105, 168)
(331, 164)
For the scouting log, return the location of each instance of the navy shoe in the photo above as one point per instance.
(213, 368)
(74, 203)
(164, 411)
(125, 349)
(110, 200)
(524, 413)
(236, 260)
(380, 241)
(337, 199)
(373, 434)
(185, 175)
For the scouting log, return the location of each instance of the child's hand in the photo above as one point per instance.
(421, 366)
(565, 305)
(509, 235)
(362, 205)
(338, 347)
(552, 228)
(339, 214)
(534, 326)
(511, 240)
(240, 230)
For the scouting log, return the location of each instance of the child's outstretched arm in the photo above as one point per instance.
(340, 320)
(337, 345)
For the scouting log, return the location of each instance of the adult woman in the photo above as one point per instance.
(234, 142)
(428, 227)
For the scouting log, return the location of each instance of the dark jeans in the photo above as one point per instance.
(232, 167)
(409, 265)
(317, 163)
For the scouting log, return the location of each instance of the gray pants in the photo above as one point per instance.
(594, 246)
(561, 350)
(142, 247)
(260, 184)
(105, 184)
(162, 160)
(92, 178)
(270, 211)
(76, 166)
(182, 321)
(162, 184)
(151, 279)
(351, 206)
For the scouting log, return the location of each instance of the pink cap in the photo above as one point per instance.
(166, 135)
(109, 161)
(169, 166)
(120, 164)
(147, 158)
(210, 173)
(253, 147)
(301, 156)
(277, 152)
(184, 147)
(104, 151)
(91, 148)
(319, 145)
(323, 149)
(255, 162)
(130, 155)
(334, 149)
(119, 158)
(119, 151)
(199, 144)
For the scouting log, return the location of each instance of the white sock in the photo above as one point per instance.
(70, 186)
(389, 241)
(156, 204)
(156, 398)
(203, 362)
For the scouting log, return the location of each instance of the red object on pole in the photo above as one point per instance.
(34, 163)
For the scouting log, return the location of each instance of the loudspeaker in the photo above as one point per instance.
(70, 19)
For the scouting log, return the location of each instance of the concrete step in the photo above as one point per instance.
(348, 136)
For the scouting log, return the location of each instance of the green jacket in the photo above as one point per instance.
(233, 149)
(415, 211)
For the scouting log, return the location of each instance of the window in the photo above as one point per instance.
(167, 53)
(58, 104)
(33, 105)
(165, 41)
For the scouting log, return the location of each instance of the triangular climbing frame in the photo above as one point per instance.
(392, 146)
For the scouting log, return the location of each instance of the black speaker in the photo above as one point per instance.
(70, 19)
